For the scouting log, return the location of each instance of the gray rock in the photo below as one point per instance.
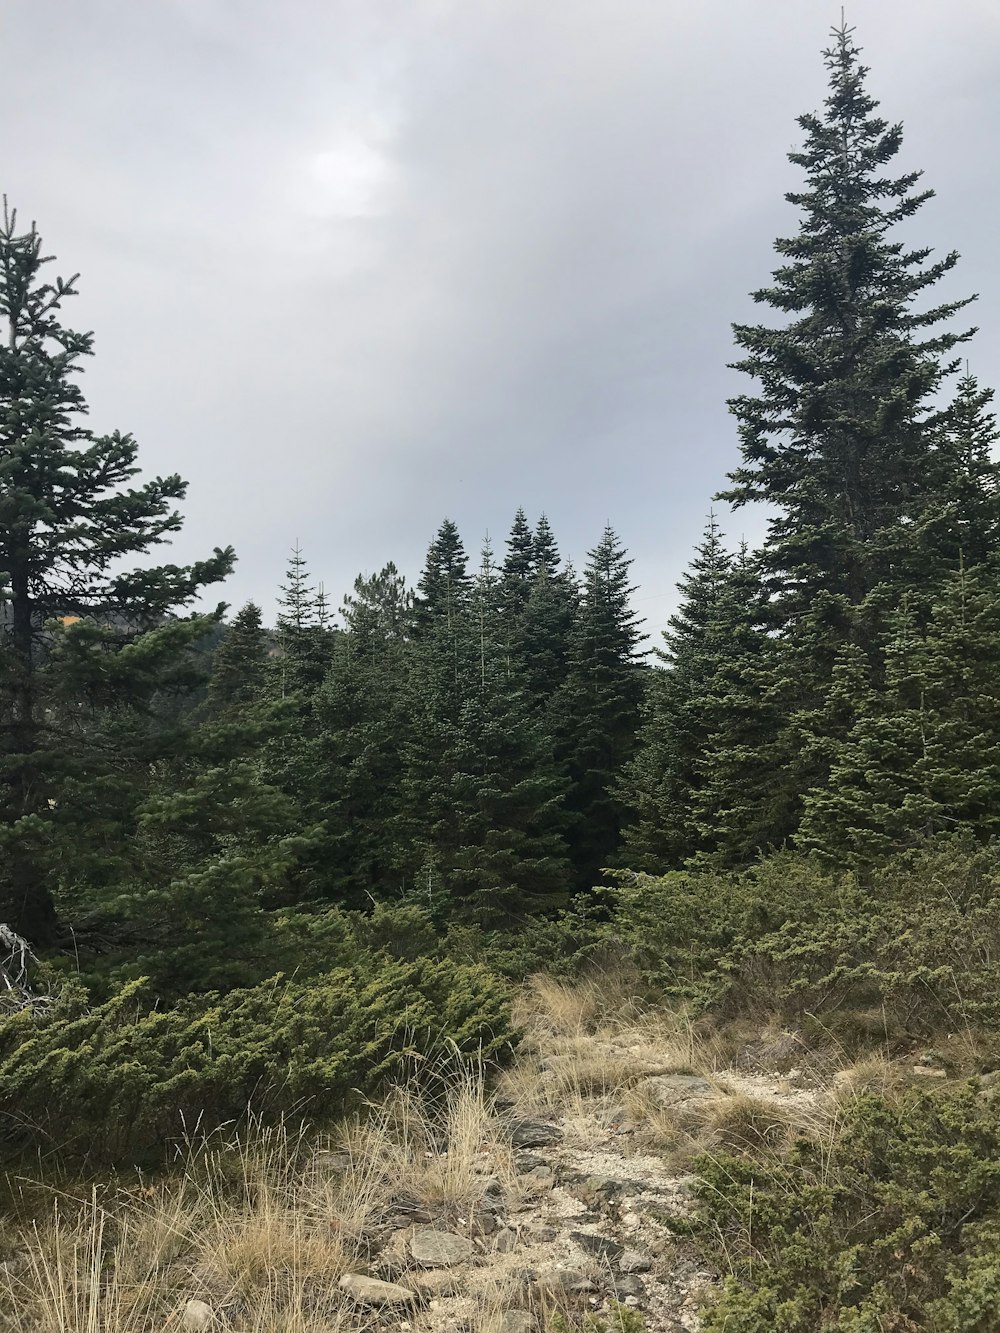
(534, 1134)
(515, 1321)
(433, 1283)
(196, 1316)
(566, 1281)
(602, 1246)
(634, 1261)
(628, 1285)
(506, 1241)
(370, 1291)
(527, 1161)
(439, 1249)
(677, 1090)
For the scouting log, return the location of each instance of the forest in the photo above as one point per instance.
(272, 868)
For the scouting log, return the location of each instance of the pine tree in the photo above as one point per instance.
(845, 438)
(840, 437)
(443, 588)
(658, 784)
(597, 712)
(70, 515)
(240, 663)
(923, 754)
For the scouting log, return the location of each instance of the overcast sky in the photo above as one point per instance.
(357, 265)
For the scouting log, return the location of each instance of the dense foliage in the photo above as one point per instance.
(893, 1224)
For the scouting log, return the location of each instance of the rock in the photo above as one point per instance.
(433, 1283)
(514, 1321)
(527, 1161)
(602, 1246)
(630, 1285)
(196, 1316)
(594, 1190)
(677, 1091)
(566, 1281)
(989, 1080)
(929, 1071)
(542, 1235)
(633, 1261)
(439, 1249)
(534, 1134)
(506, 1241)
(370, 1291)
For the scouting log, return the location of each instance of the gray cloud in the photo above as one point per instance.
(356, 265)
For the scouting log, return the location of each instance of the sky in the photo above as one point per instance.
(355, 266)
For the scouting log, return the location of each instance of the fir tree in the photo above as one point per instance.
(680, 714)
(597, 711)
(923, 754)
(70, 516)
(840, 437)
(443, 588)
(240, 663)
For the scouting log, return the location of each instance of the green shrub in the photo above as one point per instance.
(918, 940)
(117, 1080)
(894, 1225)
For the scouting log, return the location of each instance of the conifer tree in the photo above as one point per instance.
(240, 663)
(840, 437)
(923, 754)
(597, 712)
(679, 715)
(71, 517)
(846, 437)
(443, 588)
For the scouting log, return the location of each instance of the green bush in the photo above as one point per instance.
(918, 940)
(894, 1225)
(117, 1080)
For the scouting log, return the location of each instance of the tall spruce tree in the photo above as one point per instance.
(840, 437)
(846, 437)
(923, 754)
(597, 710)
(658, 784)
(70, 518)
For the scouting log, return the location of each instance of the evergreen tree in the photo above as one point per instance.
(70, 517)
(840, 437)
(518, 567)
(443, 588)
(845, 438)
(597, 712)
(679, 715)
(923, 754)
(240, 664)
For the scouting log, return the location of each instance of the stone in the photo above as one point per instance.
(197, 1315)
(505, 1241)
(534, 1134)
(527, 1161)
(630, 1285)
(634, 1261)
(601, 1246)
(514, 1321)
(594, 1190)
(370, 1291)
(542, 1235)
(566, 1281)
(929, 1071)
(677, 1091)
(439, 1249)
(433, 1283)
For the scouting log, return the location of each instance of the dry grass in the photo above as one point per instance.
(259, 1226)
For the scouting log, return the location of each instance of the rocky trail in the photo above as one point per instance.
(571, 1181)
